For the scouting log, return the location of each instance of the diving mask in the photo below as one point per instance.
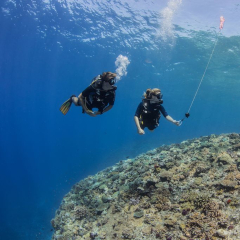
(112, 81)
(157, 98)
(159, 95)
(108, 86)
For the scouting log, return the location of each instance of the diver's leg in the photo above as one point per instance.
(66, 105)
(76, 101)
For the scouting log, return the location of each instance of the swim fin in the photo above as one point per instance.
(66, 106)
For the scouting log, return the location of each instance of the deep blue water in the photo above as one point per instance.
(49, 51)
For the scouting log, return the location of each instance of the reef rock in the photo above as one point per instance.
(183, 191)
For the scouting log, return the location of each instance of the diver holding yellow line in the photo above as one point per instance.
(149, 111)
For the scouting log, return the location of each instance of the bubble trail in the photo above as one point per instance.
(121, 64)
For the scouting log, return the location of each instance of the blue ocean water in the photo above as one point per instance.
(50, 50)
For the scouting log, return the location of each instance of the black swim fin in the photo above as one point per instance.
(66, 106)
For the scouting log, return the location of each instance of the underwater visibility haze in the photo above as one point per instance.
(50, 50)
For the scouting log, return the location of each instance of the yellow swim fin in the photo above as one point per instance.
(66, 106)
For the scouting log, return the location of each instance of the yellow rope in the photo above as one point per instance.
(204, 71)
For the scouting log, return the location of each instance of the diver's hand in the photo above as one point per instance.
(91, 113)
(97, 113)
(177, 123)
(141, 131)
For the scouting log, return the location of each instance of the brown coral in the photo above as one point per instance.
(228, 183)
(211, 209)
(80, 212)
(133, 200)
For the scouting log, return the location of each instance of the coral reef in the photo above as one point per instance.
(181, 191)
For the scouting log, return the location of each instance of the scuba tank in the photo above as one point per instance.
(97, 82)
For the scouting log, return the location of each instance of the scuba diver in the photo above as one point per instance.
(149, 111)
(100, 94)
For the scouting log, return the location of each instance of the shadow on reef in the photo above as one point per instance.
(182, 191)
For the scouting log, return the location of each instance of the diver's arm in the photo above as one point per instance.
(136, 118)
(140, 130)
(170, 119)
(104, 110)
(83, 103)
(107, 108)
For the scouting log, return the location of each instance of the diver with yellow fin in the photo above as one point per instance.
(149, 111)
(100, 94)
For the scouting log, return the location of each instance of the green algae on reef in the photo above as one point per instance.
(182, 191)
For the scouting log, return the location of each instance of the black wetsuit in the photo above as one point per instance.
(96, 98)
(149, 114)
